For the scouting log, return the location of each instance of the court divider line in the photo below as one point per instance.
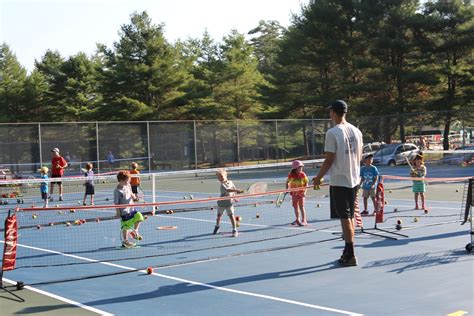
(224, 289)
(63, 299)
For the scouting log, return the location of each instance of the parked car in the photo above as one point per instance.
(395, 154)
(457, 159)
(371, 148)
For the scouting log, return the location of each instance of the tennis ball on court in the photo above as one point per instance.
(398, 227)
(77, 222)
(149, 270)
(51, 224)
(191, 197)
(184, 197)
(389, 191)
(257, 216)
(38, 226)
(97, 220)
(318, 205)
(237, 224)
(426, 211)
(457, 190)
(255, 205)
(68, 224)
(106, 199)
(399, 221)
(57, 205)
(237, 218)
(386, 202)
(78, 202)
(72, 211)
(395, 210)
(415, 220)
(212, 209)
(103, 181)
(83, 221)
(34, 216)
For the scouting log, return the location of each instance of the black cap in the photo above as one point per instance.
(338, 106)
(369, 156)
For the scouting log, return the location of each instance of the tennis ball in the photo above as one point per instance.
(426, 211)
(318, 205)
(77, 222)
(72, 211)
(83, 221)
(237, 218)
(398, 227)
(191, 197)
(457, 190)
(57, 205)
(51, 224)
(395, 210)
(106, 199)
(78, 202)
(257, 216)
(415, 220)
(237, 224)
(103, 181)
(389, 191)
(399, 221)
(255, 205)
(34, 216)
(184, 197)
(68, 224)
(38, 226)
(149, 270)
(97, 220)
(386, 202)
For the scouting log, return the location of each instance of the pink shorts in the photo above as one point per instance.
(297, 199)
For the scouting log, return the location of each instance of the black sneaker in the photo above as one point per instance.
(60, 198)
(348, 261)
(216, 230)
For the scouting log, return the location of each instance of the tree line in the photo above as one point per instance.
(383, 57)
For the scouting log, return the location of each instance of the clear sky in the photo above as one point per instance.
(30, 27)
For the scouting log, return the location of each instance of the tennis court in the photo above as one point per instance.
(272, 267)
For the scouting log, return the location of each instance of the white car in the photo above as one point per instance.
(395, 154)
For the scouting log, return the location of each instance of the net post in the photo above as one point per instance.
(10, 232)
(153, 189)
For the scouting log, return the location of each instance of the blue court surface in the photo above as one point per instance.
(290, 271)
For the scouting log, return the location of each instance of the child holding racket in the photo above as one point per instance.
(298, 179)
(130, 218)
(89, 184)
(227, 189)
(419, 188)
(135, 180)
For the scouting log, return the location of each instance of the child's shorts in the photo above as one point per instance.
(90, 189)
(228, 209)
(419, 187)
(44, 195)
(129, 220)
(368, 192)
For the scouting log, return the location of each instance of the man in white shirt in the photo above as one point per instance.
(343, 153)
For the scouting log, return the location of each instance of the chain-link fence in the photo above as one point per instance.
(178, 145)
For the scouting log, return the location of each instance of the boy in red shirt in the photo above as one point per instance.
(58, 164)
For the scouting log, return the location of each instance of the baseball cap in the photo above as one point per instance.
(338, 106)
(55, 150)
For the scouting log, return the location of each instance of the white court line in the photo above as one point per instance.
(224, 289)
(63, 299)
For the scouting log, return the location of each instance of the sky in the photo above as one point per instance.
(30, 27)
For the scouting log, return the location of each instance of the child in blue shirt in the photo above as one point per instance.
(44, 185)
(369, 175)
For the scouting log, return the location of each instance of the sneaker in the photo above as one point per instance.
(51, 198)
(60, 198)
(235, 233)
(216, 229)
(348, 261)
(84, 203)
(128, 244)
(136, 235)
(296, 223)
(364, 213)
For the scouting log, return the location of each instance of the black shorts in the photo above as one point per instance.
(90, 190)
(56, 176)
(44, 195)
(342, 201)
(135, 189)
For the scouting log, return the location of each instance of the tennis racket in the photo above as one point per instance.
(281, 198)
(257, 187)
(412, 171)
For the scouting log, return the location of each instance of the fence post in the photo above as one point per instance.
(40, 145)
(97, 145)
(195, 146)
(148, 144)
